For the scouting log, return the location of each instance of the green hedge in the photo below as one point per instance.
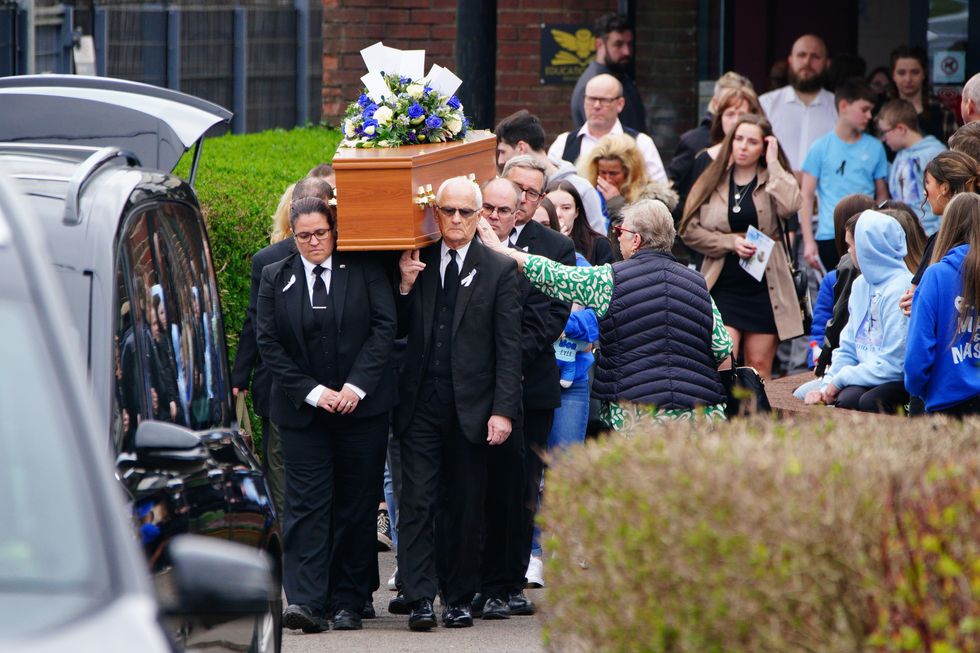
(239, 183)
(857, 534)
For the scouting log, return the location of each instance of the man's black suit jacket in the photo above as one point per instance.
(544, 319)
(485, 356)
(364, 309)
(248, 358)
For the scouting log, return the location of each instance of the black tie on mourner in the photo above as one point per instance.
(512, 239)
(320, 297)
(450, 280)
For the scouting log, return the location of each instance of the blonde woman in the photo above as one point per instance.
(280, 219)
(616, 168)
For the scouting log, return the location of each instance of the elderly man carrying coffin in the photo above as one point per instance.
(653, 313)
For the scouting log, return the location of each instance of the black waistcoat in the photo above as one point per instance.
(441, 341)
(321, 342)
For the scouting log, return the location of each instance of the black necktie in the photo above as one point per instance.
(320, 298)
(450, 280)
(512, 239)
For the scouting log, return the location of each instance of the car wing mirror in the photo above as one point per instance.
(163, 441)
(215, 581)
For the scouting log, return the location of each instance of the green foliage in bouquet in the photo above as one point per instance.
(411, 115)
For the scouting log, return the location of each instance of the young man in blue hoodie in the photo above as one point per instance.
(866, 372)
(942, 361)
(898, 126)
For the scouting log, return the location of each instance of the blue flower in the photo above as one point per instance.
(454, 102)
(404, 80)
(370, 128)
(426, 91)
(364, 100)
(433, 122)
(411, 136)
(369, 110)
(415, 111)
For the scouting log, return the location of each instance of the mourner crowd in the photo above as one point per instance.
(410, 400)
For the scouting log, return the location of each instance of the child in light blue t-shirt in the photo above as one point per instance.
(844, 162)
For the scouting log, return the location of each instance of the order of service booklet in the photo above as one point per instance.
(755, 265)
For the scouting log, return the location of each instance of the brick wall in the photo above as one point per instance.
(666, 57)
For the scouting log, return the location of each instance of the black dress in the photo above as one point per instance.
(743, 302)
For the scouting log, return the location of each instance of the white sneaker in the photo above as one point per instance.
(535, 573)
(391, 581)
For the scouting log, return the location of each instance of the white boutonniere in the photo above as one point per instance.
(290, 283)
(468, 279)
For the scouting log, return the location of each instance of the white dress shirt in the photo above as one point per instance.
(648, 150)
(444, 258)
(314, 397)
(795, 124)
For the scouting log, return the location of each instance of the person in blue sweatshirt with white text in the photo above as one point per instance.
(866, 372)
(942, 361)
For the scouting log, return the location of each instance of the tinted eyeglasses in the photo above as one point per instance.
(602, 101)
(619, 231)
(502, 211)
(305, 236)
(448, 211)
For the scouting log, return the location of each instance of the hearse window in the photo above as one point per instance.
(187, 263)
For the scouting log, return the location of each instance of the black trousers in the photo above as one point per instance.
(537, 426)
(332, 471)
(443, 488)
(505, 516)
(827, 249)
(885, 398)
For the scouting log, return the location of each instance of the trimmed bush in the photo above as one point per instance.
(239, 183)
(763, 537)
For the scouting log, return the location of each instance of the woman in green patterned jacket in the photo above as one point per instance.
(662, 336)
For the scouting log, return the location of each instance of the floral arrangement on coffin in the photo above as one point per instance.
(401, 106)
(413, 113)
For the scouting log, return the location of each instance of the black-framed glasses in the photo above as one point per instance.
(884, 132)
(620, 229)
(602, 101)
(448, 211)
(530, 193)
(502, 211)
(305, 236)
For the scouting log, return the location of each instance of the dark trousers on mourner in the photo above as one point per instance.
(537, 426)
(443, 487)
(505, 516)
(332, 471)
(885, 398)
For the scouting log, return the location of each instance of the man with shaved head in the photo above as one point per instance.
(460, 391)
(804, 110)
(603, 105)
(970, 102)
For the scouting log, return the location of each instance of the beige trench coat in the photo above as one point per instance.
(776, 196)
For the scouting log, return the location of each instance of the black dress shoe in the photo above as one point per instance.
(300, 617)
(520, 605)
(368, 612)
(476, 605)
(346, 620)
(457, 616)
(421, 616)
(399, 605)
(495, 608)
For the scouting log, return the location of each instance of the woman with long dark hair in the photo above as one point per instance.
(573, 223)
(747, 185)
(910, 67)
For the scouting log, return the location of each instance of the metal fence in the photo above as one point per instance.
(263, 63)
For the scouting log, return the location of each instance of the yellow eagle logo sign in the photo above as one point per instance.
(577, 49)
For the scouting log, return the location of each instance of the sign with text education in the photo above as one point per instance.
(566, 51)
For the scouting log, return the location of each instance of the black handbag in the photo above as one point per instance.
(801, 284)
(745, 390)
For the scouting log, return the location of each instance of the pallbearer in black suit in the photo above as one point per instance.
(459, 393)
(542, 392)
(326, 325)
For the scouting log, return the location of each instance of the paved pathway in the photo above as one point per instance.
(389, 633)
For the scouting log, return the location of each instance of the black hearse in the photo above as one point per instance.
(93, 158)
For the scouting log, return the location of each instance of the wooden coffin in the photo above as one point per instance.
(377, 189)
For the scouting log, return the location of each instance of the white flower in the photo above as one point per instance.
(415, 91)
(349, 128)
(454, 125)
(369, 130)
(383, 115)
